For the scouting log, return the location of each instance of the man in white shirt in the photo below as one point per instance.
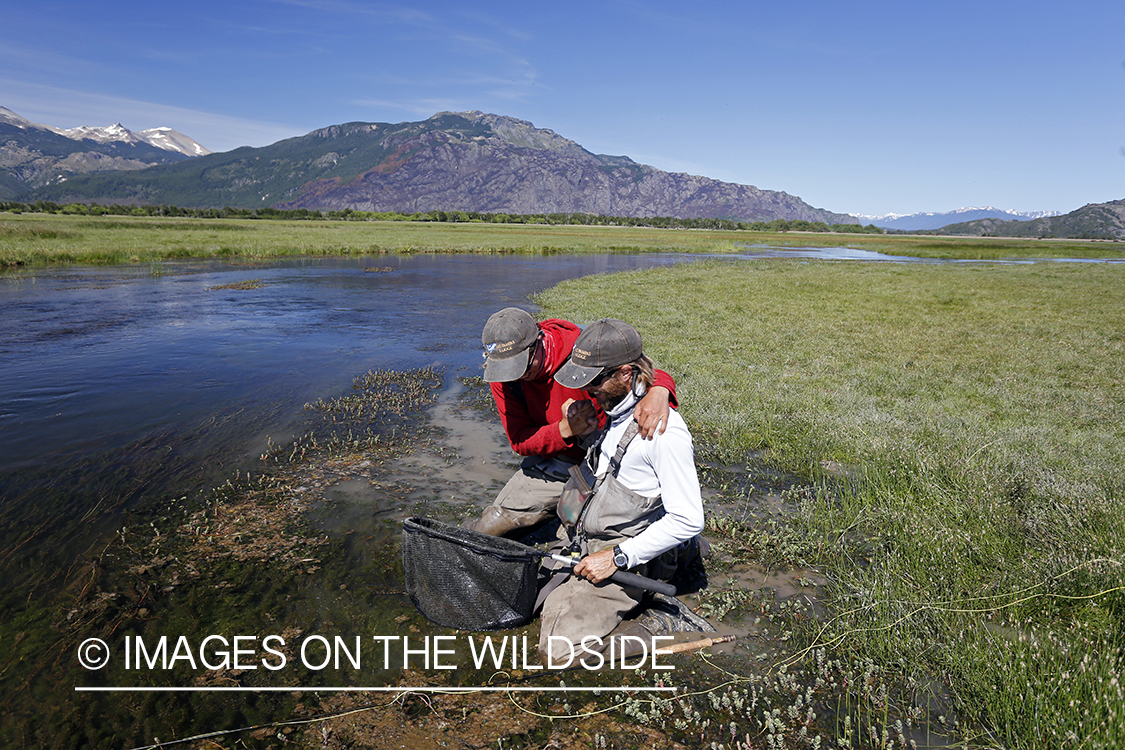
(645, 507)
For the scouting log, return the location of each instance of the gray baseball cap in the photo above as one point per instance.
(605, 343)
(508, 338)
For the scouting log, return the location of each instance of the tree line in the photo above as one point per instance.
(347, 214)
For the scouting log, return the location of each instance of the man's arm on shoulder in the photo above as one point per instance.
(652, 411)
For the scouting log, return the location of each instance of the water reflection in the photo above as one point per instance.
(851, 253)
(91, 359)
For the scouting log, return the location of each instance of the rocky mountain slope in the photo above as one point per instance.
(468, 161)
(1092, 221)
(34, 155)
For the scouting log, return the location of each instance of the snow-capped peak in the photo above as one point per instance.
(115, 132)
(11, 118)
(172, 140)
(163, 137)
(936, 220)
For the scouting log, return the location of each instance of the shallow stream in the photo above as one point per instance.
(120, 386)
(125, 388)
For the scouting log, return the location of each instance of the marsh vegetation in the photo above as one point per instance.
(960, 429)
(42, 239)
(914, 477)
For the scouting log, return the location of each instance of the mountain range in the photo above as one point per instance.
(1094, 221)
(34, 155)
(453, 161)
(923, 221)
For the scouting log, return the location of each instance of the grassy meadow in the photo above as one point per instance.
(956, 432)
(962, 430)
(46, 239)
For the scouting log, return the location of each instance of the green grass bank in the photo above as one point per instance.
(962, 429)
(46, 239)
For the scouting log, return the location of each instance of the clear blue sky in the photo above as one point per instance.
(862, 107)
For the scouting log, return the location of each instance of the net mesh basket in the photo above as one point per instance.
(463, 579)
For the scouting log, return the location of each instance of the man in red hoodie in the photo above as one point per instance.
(543, 419)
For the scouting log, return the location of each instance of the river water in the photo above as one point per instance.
(124, 388)
(121, 385)
(93, 359)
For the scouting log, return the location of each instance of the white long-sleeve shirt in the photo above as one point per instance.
(663, 466)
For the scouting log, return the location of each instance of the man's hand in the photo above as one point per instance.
(579, 418)
(652, 412)
(596, 567)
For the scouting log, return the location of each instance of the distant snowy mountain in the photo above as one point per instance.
(910, 222)
(173, 140)
(1094, 221)
(162, 138)
(33, 155)
(165, 138)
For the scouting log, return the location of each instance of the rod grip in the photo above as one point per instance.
(640, 582)
(626, 579)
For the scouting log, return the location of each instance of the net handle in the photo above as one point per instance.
(625, 578)
(517, 551)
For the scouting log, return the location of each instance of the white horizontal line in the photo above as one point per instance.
(228, 689)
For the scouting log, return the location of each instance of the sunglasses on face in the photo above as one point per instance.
(602, 377)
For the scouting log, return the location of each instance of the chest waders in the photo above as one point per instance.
(600, 512)
(609, 512)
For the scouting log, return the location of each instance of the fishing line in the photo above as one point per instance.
(1023, 596)
(944, 607)
(295, 722)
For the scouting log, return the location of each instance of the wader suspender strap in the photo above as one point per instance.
(627, 437)
(614, 466)
(614, 463)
